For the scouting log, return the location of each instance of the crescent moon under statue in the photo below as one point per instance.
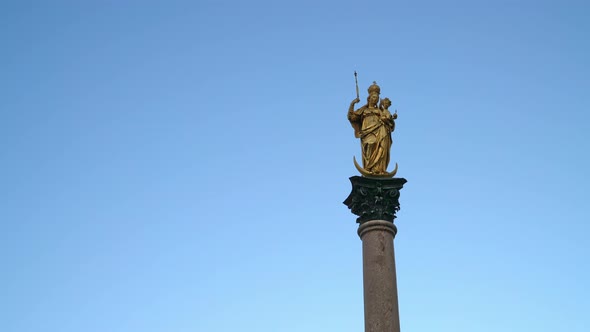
(366, 173)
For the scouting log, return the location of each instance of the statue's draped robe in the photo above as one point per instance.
(373, 126)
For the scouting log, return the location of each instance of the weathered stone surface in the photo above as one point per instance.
(379, 277)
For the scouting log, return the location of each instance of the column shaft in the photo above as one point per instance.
(379, 278)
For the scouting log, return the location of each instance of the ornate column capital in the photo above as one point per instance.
(374, 198)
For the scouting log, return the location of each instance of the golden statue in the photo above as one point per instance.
(373, 124)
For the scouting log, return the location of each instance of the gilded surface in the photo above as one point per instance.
(373, 124)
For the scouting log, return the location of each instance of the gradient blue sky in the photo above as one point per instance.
(181, 165)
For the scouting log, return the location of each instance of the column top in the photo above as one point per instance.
(374, 198)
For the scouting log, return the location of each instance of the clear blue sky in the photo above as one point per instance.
(181, 165)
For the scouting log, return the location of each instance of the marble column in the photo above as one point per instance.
(376, 201)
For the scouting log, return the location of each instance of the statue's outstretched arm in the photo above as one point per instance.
(352, 103)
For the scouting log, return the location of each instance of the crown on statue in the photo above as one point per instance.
(374, 88)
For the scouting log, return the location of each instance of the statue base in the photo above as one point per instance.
(374, 198)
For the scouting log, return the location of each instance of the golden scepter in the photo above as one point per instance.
(357, 85)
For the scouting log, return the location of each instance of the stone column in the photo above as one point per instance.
(376, 201)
